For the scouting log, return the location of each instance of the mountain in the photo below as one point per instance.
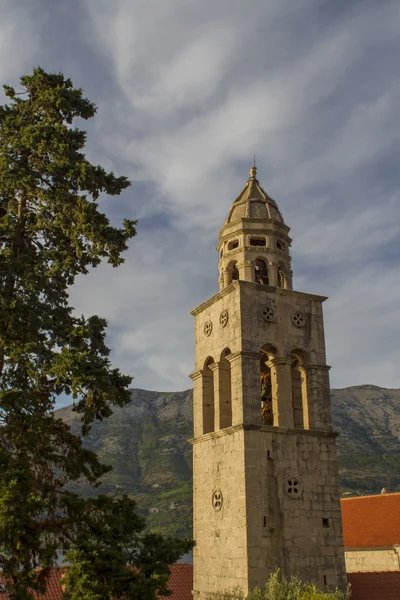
(146, 443)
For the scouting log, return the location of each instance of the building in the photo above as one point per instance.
(264, 453)
(180, 584)
(371, 527)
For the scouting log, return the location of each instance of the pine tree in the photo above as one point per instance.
(51, 231)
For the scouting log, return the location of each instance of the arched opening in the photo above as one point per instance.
(267, 415)
(208, 397)
(267, 388)
(225, 390)
(261, 272)
(280, 278)
(299, 390)
(232, 272)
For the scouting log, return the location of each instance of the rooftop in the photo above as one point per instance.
(375, 586)
(253, 202)
(371, 521)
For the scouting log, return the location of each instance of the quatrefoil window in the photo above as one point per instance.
(217, 500)
(298, 318)
(268, 314)
(208, 328)
(224, 318)
(294, 487)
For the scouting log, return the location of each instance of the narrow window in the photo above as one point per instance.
(325, 523)
(225, 391)
(208, 397)
(258, 242)
(325, 580)
(234, 244)
(280, 245)
(265, 521)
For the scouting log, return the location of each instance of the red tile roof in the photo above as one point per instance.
(53, 589)
(180, 583)
(375, 586)
(371, 521)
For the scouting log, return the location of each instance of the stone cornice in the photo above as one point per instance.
(274, 290)
(225, 292)
(196, 374)
(263, 429)
(266, 288)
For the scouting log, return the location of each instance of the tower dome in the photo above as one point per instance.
(254, 241)
(253, 202)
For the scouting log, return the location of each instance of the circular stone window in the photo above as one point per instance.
(298, 318)
(217, 500)
(294, 487)
(268, 314)
(208, 328)
(224, 318)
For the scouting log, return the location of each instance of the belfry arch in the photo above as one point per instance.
(225, 390)
(261, 275)
(208, 396)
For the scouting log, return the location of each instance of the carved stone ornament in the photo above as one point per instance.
(268, 313)
(294, 487)
(208, 328)
(298, 318)
(217, 500)
(224, 318)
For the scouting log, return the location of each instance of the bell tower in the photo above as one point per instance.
(265, 481)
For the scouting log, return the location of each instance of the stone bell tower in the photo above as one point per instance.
(265, 475)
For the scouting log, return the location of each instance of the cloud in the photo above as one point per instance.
(187, 93)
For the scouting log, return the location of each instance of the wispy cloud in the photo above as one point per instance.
(187, 93)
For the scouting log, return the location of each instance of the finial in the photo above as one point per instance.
(253, 170)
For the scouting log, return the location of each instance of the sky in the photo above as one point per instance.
(187, 92)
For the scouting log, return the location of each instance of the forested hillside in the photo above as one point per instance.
(146, 443)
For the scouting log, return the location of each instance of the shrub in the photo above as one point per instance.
(279, 588)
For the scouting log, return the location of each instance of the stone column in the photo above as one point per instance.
(273, 274)
(197, 378)
(319, 397)
(304, 398)
(226, 279)
(225, 394)
(203, 401)
(222, 395)
(288, 280)
(248, 271)
(282, 403)
(245, 386)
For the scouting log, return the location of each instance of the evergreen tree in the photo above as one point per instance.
(51, 230)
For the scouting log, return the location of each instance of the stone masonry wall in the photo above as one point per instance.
(220, 554)
(372, 559)
(294, 518)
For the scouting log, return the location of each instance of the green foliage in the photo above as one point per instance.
(51, 231)
(110, 538)
(279, 588)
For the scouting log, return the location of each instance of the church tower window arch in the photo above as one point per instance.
(261, 274)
